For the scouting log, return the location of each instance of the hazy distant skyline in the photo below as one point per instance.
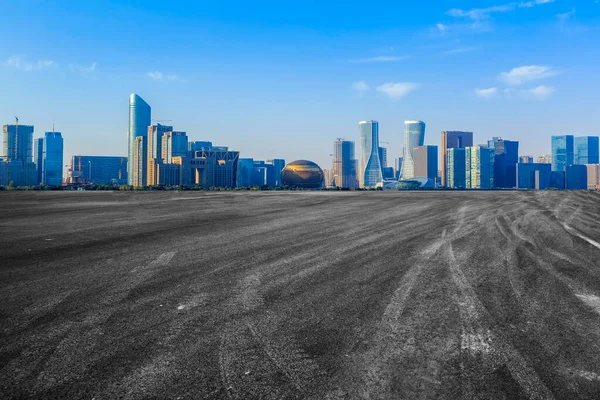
(276, 80)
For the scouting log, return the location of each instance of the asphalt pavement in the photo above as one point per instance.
(294, 295)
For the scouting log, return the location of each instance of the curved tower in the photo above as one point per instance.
(414, 135)
(139, 121)
(369, 174)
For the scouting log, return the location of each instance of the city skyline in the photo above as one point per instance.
(284, 70)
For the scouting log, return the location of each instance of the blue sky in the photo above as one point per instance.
(280, 79)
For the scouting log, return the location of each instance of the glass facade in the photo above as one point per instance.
(98, 170)
(139, 121)
(506, 158)
(302, 174)
(414, 135)
(479, 167)
(38, 157)
(586, 150)
(278, 165)
(155, 135)
(52, 163)
(174, 144)
(576, 177)
(562, 152)
(455, 168)
(533, 176)
(17, 142)
(344, 164)
(426, 161)
(369, 174)
(451, 140)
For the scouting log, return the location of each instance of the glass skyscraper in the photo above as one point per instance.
(38, 157)
(506, 157)
(17, 142)
(456, 168)
(479, 167)
(344, 164)
(414, 135)
(139, 121)
(174, 144)
(562, 152)
(52, 159)
(370, 174)
(450, 140)
(586, 150)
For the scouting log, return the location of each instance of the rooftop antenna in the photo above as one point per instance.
(52, 126)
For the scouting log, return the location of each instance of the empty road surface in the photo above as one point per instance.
(294, 295)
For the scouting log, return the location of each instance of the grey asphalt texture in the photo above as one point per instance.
(293, 295)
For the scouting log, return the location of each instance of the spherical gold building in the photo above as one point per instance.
(302, 174)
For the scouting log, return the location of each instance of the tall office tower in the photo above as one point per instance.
(544, 159)
(38, 157)
(479, 167)
(17, 142)
(98, 170)
(526, 159)
(426, 161)
(369, 174)
(576, 177)
(414, 135)
(506, 158)
(140, 162)
(533, 176)
(586, 150)
(139, 121)
(278, 165)
(451, 140)
(456, 168)
(344, 164)
(52, 163)
(174, 144)
(155, 135)
(244, 172)
(399, 162)
(562, 152)
(383, 157)
(593, 176)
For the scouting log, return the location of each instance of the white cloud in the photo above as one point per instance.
(541, 92)
(562, 18)
(19, 63)
(380, 59)
(521, 75)
(159, 76)
(441, 27)
(397, 90)
(479, 14)
(460, 50)
(360, 86)
(486, 93)
(83, 68)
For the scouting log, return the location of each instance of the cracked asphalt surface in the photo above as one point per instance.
(291, 295)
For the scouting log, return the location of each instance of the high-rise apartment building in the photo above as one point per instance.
(414, 135)
(586, 150)
(593, 176)
(17, 142)
(174, 144)
(155, 136)
(544, 159)
(369, 174)
(426, 161)
(38, 157)
(52, 159)
(456, 168)
(451, 140)
(526, 159)
(344, 164)
(139, 121)
(140, 159)
(562, 152)
(506, 158)
(479, 167)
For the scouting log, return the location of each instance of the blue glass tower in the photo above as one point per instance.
(139, 121)
(414, 136)
(587, 150)
(52, 159)
(562, 152)
(506, 157)
(456, 168)
(370, 174)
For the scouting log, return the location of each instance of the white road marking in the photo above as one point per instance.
(575, 232)
(590, 300)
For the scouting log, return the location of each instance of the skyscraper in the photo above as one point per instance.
(562, 152)
(139, 121)
(479, 167)
(38, 157)
(586, 150)
(174, 144)
(344, 164)
(455, 168)
(506, 157)
(155, 135)
(52, 163)
(414, 135)
(399, 162)
(383, 157)
(426, 161)
(18, 142)
(451, 140)
(140, 161)
(369, 174)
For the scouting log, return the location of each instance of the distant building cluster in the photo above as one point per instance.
(159, 155)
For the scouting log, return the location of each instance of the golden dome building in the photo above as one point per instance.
(302, 174)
